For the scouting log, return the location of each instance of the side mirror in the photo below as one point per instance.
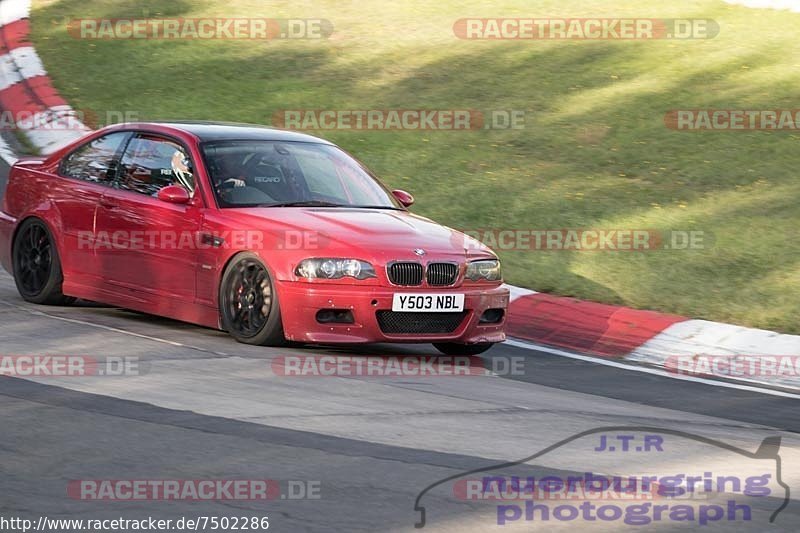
(174, 194)
(403, 197)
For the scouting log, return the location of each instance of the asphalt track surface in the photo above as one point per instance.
(202, 407)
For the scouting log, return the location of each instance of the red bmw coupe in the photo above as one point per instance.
(270, 235)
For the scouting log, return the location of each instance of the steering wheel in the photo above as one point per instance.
(227, 184)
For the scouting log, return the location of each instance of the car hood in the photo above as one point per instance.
(379, 233)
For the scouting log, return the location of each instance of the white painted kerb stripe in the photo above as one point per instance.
(714, 338)
(701, 337)
(6, 153)
(652, 371)
(19, 64)
(518, 292)
(14, 10)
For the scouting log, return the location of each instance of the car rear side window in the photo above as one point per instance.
(151, 163)
(94, 160)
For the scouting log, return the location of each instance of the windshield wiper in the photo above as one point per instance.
(305, 203)
(377, 207)
(322, 203)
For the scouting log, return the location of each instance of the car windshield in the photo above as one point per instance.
(291, 174)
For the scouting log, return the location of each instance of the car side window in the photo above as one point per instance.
(94, 161)
(151, 163)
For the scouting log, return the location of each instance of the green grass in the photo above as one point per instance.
(594, 152)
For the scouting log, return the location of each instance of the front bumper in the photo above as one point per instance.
(300, 302)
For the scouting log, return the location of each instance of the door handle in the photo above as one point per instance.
(108, 204)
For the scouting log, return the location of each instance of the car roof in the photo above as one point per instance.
(224, 131)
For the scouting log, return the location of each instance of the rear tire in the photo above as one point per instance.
(452, 348)
(36, 265)
(249, 304)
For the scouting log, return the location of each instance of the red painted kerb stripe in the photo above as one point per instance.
(601, 329)
(15, 35)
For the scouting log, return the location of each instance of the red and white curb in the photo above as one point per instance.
(26, 91)
(606, 332)
(656, 339)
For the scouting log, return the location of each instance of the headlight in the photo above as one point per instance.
(333, 268)
(484, 270)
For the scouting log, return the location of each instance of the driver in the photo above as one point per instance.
(227, 168)
(181, 172)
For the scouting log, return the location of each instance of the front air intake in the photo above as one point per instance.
(405, 273)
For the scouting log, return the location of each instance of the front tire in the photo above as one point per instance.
(249, 304)
(452, 348)
(36, 265)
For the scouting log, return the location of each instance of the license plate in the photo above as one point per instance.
(439, 303)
